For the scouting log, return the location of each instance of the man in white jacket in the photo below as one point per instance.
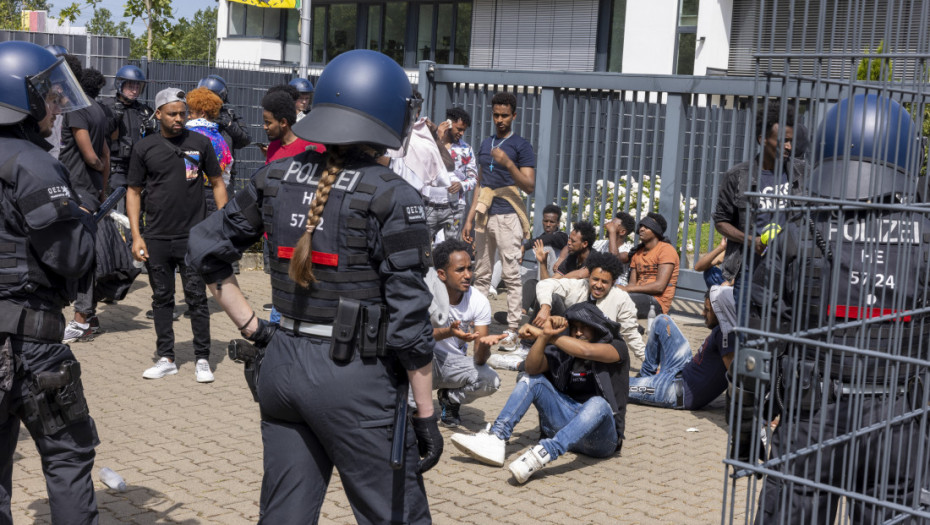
(598, 288)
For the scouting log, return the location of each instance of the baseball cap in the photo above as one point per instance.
(167, 96)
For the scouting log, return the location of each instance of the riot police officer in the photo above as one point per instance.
(229, 122)
(354, 305)
(838, 297)
(132, 120)
(46, 245)
(304, 98)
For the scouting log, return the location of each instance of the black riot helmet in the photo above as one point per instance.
(869, 146)
(362, 97)
(33, 81)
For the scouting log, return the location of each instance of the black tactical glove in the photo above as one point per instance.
(224, 119)
(429, 441)
(263, 334)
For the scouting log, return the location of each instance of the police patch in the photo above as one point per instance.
(414, 214)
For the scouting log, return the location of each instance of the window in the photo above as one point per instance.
(687, 37)
(443, 31)
(251, 21)
(615, 45)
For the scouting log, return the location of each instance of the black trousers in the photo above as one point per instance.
(67, 455)
(881, 463)
(317, 415)
(643, 302)
(164, 257)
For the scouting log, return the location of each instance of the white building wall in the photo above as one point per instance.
(649, 39)
(241, 49)
(715, 19)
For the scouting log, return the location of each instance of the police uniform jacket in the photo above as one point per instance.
(44, 245)
(880, 268)
(372, 245)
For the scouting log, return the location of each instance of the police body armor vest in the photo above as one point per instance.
(21, 274)
(882, 261)
(343, 241)
(133, 121)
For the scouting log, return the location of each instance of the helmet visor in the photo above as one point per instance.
(59, 88)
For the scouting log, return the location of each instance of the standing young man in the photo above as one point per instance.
(171, 166)
(506, 165)
(87, 156)
(461, 379)
(444, 205)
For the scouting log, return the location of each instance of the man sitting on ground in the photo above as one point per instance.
(578, 381)
(571, 261)
(670, 377)
(654, 273)
(619, 245)
(458, 378)
(555, 295)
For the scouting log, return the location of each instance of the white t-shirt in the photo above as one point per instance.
(473, 310)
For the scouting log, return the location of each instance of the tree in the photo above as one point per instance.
(875, 68)
(11, 12)
(194, 39)
(155, 14)
(102, 24)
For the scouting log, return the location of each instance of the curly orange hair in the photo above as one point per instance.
(202, 99)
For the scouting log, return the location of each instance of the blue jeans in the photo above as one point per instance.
(586, 428)
(667, 351)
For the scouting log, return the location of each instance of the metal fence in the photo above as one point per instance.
(609, 142)
(830, 412)
(104, 53)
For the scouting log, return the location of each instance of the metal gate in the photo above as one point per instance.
(829, 407)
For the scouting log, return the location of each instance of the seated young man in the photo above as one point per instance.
(670, 377)
(654, 273)
(578, 381)
(554, 295)
(459, 378)
(571, 261)
(709, 265)
(619, 245)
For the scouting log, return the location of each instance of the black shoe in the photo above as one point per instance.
(94, 324)
(500, 318)
(448, 411)
(151, 315)
(187, 314)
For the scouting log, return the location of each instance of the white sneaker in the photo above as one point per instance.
(505, 362)
(529, 462)
(509, 343)
(204, 375)
(75, 331)
(163, 367)
(483, 446)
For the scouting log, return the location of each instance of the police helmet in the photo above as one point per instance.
(869, 146)
(302, 84)
(128, 74)
(31, 80)
(216, 84)
(55, 49)
(362, 97)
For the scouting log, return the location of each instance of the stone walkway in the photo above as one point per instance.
(191, 453)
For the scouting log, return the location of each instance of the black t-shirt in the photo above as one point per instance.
(86, 182)
(174, 186)
(570, 264)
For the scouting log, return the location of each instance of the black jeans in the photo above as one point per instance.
(164, 257)
(643, 302)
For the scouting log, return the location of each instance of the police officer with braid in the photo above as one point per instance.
(46, 246)
(350, 248)
(846, 281)
(132, 120)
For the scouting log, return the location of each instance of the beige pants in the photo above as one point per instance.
(505, 235)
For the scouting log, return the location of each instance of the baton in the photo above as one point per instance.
(400, 427)
(110, 203)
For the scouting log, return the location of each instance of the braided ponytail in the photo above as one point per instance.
(301, 267)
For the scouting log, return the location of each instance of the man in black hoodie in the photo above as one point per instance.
(578, 379)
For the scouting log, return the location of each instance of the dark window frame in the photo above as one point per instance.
(282, 23)
(683, 30)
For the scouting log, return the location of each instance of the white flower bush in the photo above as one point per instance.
(614, 196)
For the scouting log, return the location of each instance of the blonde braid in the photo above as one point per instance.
(301, 267)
